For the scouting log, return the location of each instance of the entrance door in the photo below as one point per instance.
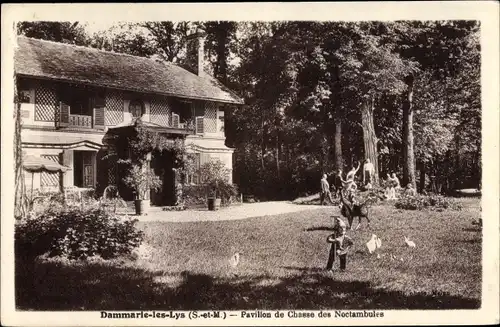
(84, 169)
(162, 166)
(88, 169)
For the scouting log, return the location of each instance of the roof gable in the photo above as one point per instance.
(59, 61)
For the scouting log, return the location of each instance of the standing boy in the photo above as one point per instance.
(341, 244)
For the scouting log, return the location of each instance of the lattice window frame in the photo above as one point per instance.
(50, 179)
(114, 108)
(45, 103)
(112, 174)
(210, 123)
(160, 111)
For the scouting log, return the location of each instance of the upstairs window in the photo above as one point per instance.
(136, 108)
(78, 99)
(184, 111)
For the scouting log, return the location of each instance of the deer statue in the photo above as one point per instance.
(350, 210)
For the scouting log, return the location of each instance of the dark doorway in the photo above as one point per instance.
(84, 169)
(162, 164)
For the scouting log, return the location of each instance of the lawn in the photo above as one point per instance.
(282, 266)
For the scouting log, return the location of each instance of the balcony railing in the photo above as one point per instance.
(82, 121)
(65, 119)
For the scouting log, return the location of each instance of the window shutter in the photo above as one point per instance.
(63, 115)
(99, 117)
(175, 120)
(199, 125)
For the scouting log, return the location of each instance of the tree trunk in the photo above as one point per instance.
(277, 156)
(369, 137)
(421, 187)
(338, 144)
(408, 149)
(325, 145)
(262, 144)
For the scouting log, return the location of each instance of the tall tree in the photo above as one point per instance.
(64, 32)
(372, 69)
(169, 37)
(221, 36)
(408, 150)
(125, 38)
(220, 48)
(444, 50)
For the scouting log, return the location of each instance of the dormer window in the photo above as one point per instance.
(24, 92)
(24, 96)
(136, 108)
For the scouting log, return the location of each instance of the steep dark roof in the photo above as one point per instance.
(59, 61)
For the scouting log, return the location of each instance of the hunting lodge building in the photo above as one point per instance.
(71, 96)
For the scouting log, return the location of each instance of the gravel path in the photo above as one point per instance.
(243, 211)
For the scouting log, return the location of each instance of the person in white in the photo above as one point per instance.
(350, 185)
(395, 180)
(352, 173)
(410, 191)
(368, 171)
(390, 192)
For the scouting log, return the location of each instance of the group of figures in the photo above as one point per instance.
(345, 190)
(348, 184)
(392, 184)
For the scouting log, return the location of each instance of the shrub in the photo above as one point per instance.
(77, 233)
(215, 176)
(194, 195)
(433, 202)
(228, 193)
(142, 179)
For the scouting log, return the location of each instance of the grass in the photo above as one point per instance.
(282, 266)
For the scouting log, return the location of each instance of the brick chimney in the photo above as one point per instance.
(195, 43)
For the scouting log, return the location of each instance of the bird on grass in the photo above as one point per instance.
(409, 243)
(235, 260)
(372, 244)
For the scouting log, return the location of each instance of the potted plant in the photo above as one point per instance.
(214, 198)
(215, 176)
(142, 180)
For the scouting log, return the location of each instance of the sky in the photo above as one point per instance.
(97, 26)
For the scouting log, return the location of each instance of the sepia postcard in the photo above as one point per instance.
(250, 164)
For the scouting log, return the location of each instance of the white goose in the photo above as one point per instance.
(409, 243)
(372, 244)
(235, 260)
